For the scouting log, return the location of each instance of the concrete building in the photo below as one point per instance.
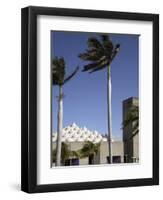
(124, 151)
(75, 137)
(130, 141)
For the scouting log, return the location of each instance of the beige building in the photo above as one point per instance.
(102, 155)
(122, 151)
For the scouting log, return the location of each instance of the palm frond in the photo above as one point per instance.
(58, 70)
(74, 154)
(59, 73)
(66, 153)
(100, 53)
(107, 44)
(90, 66)
(104, 37)
(135, 127)
(132, 119)
(116, 50)
(71, 75)
(101, 66)
(94, 43)
(90, 55)
(101, 63)
(88, 149)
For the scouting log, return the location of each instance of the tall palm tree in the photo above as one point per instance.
(59, 78)
(66, 153)
(89, 150)
(100, 54)
(132, 119)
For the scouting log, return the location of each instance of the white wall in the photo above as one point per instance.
(10, 99)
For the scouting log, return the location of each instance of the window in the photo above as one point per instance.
(67, 162)
(75, 161)
(116, 159)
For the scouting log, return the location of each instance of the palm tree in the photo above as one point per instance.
(132, 119)
(100, 54)
(59, 78)
(89, 150)
(66, 153)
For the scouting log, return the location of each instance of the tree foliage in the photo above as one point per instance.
(66, 153)
(59, 76)
(100, 53)
(133, 120)
(89, 148)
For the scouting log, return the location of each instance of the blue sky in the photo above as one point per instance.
(85, 101)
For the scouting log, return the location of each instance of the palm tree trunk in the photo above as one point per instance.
(59, 127)
(109, 113)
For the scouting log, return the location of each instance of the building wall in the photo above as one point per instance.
(101, 157)
(117, 150)
(136, 147)
(74, 146)
(131, 144)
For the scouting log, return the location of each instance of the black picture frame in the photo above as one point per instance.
(29, 99)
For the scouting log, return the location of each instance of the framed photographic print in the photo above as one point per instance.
(90, 99)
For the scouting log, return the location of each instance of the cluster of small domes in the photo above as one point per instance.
(74, 133)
